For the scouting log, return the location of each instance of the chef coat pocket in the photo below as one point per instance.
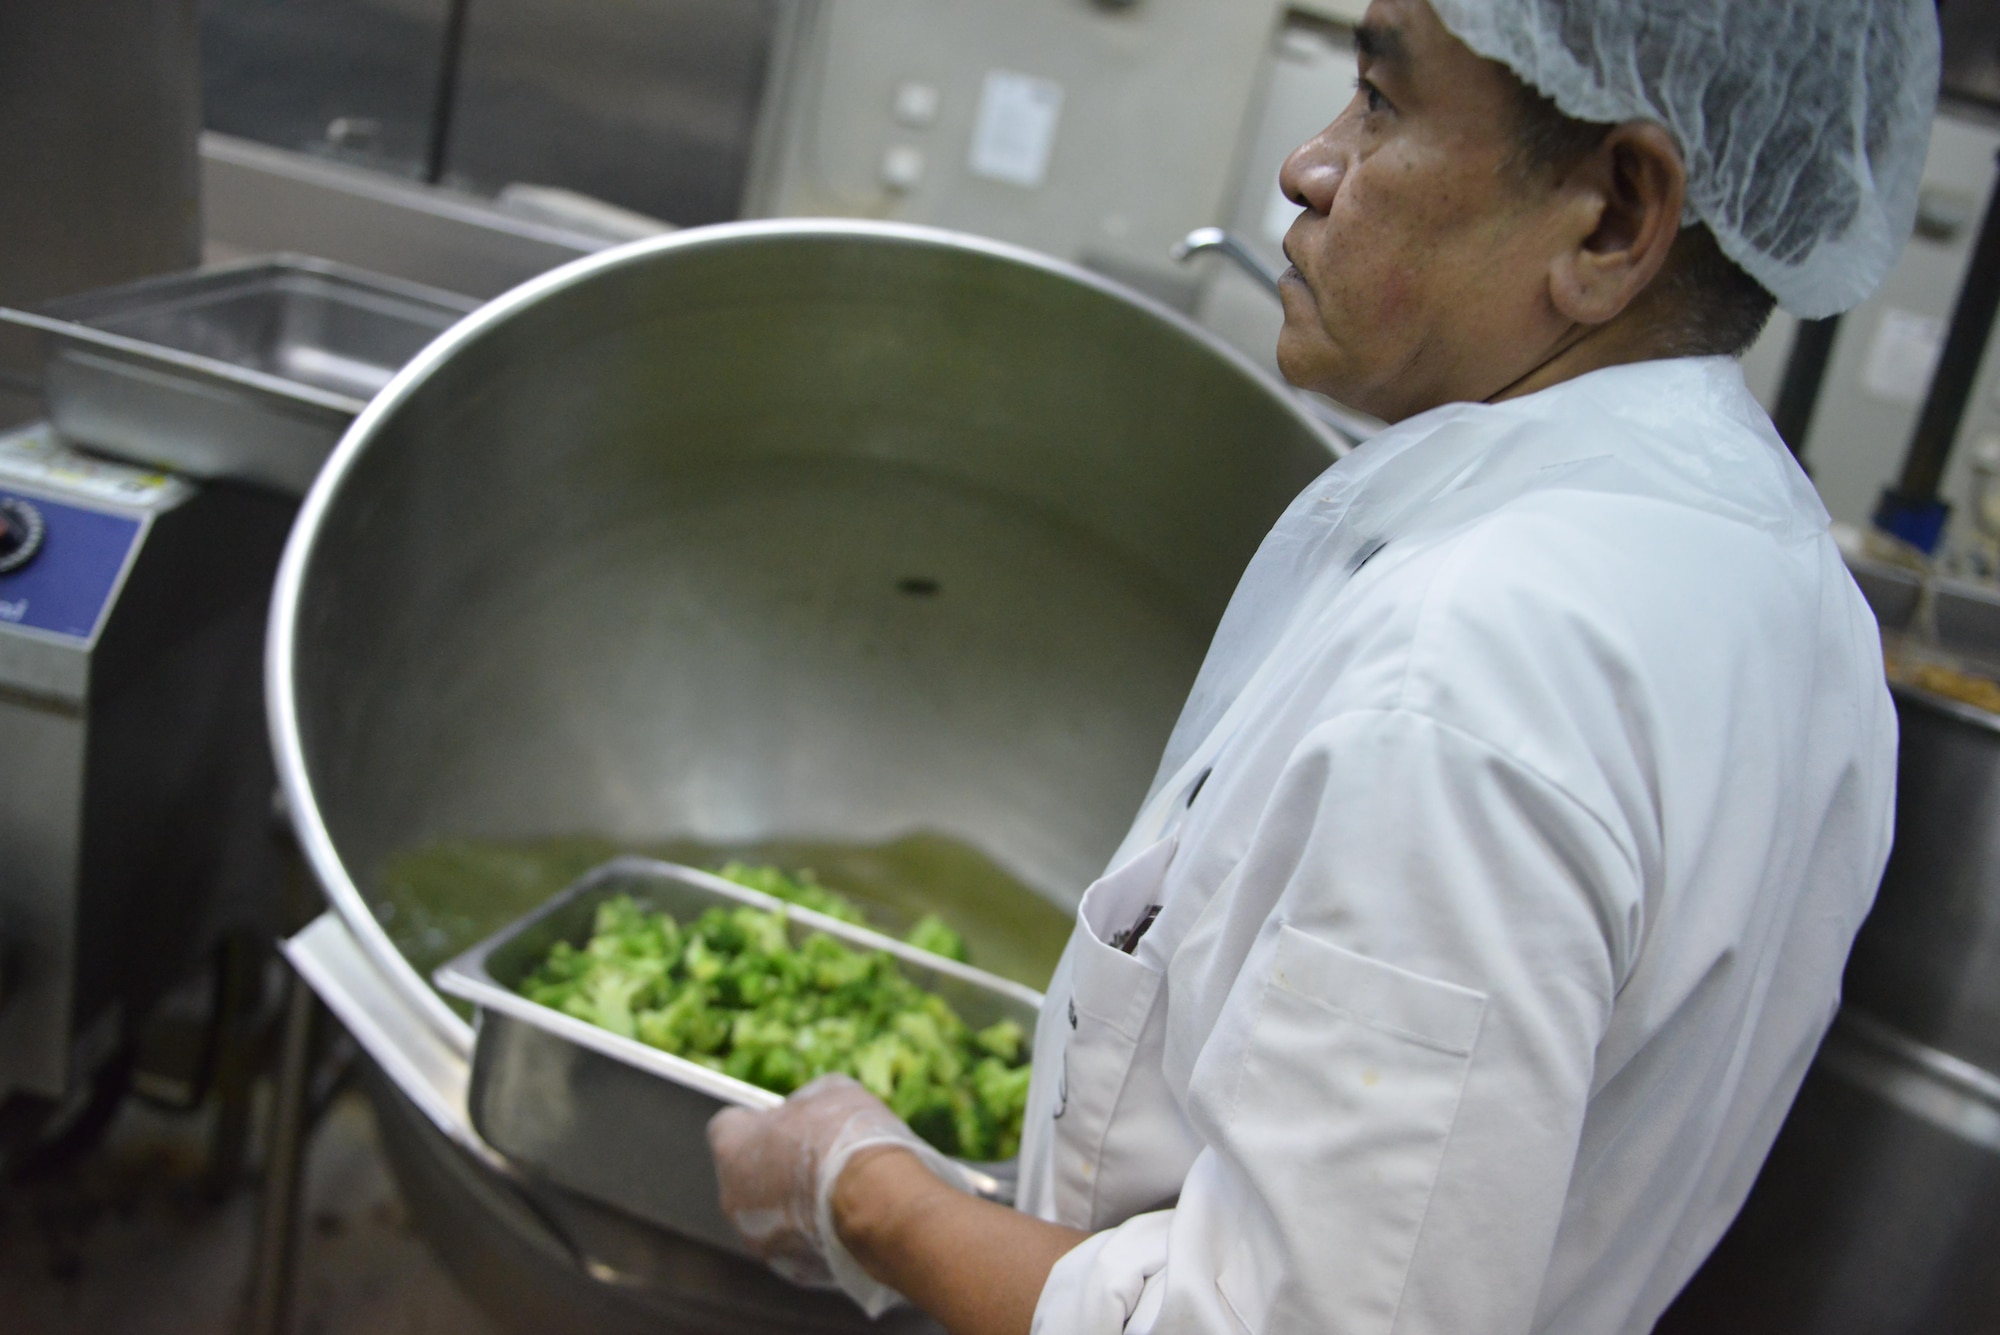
(1112, 985)
(1117, 902)
(1111, 998)
(1344, 1103)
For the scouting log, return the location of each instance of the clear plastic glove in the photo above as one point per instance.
(777, 1170)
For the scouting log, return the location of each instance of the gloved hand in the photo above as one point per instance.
(777, 1170)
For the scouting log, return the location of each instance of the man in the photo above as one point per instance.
(1494, 892)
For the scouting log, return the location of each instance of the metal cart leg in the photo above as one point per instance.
(278, 1214)
(241, 1050)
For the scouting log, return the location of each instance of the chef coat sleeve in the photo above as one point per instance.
(1390, 1089)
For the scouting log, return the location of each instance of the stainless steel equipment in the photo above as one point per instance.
(1972, 51)
(261, 201)
(135, 788)
(651, 104)
(823, 530)
(247, 372)
(621, 1122)
(1204, 239)
(1879, 1209)
(103, 102)
(1892, 591)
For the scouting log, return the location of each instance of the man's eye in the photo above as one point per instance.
(1375, 100)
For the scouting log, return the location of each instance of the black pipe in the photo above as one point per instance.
(1957, 369)
(1805, 372)
(447, 89)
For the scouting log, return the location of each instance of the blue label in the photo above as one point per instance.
(65, 588)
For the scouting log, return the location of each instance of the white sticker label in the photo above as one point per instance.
(1902, 356)
(1016, 128)
(35, 456)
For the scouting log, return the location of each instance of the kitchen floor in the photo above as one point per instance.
(123, 1241)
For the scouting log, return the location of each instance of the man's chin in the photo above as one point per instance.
(1304, 360)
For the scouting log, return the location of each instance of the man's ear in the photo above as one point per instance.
(1624, 201)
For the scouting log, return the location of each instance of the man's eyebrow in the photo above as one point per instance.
(1378, 42)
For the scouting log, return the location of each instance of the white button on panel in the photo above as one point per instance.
(903, 167)
(917, 104)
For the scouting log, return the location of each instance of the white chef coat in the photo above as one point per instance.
(1500, 927)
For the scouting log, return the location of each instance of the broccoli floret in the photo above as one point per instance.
(556, 979)
(703, 962)
(622, 970)
(689, 1024)
(802, 889)
(611, 992)
(931, 934)
(827, 1044)
(1002, 1039)
(1002, 1091)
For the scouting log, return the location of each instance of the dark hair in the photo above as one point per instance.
(1720, 309)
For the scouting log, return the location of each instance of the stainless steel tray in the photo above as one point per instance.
(1892, 591)
(1967, 617)
(624, 1123)
(248, 371)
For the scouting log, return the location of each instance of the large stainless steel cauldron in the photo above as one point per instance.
(831, 531)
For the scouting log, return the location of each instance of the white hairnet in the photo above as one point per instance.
(1803, 122)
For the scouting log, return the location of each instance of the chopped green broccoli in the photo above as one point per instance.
(1003, 1040)
(621, 971)
(803, 889)
(933, 935)
(930, 932)
(731, 991)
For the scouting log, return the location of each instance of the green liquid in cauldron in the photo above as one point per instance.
(444, 897)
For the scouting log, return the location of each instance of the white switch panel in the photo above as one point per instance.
(1102, 135)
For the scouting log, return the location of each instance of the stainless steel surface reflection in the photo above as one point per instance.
(103, 102)
(1927, 962)
(804, 529)
(547, 1263)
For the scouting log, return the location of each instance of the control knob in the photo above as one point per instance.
(21, 533)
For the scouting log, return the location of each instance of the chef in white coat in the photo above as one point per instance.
(1495, 888)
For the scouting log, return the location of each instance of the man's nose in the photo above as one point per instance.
(1311, 176)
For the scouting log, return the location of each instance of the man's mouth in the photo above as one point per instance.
(1291, 265)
